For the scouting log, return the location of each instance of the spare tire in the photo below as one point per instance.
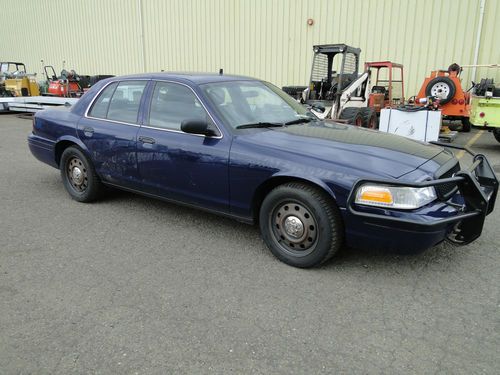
(353, 115)
(442, 88)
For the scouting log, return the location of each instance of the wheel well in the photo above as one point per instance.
(270, 184)
(60, 147)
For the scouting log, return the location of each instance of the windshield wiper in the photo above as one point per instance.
(261, 125)
(299, 121)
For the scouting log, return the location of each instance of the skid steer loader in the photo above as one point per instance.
(336, 90)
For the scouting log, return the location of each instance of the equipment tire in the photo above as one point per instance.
(370, 118)
(294, 91)
(496, 134)
(439, 84)
(353, 115)
(466, 125)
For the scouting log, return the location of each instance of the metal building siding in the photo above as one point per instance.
(269, 39)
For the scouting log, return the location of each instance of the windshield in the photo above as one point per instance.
(254, 102)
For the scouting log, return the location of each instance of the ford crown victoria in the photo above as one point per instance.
(242, 148)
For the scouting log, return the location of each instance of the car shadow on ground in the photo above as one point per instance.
(347, 257)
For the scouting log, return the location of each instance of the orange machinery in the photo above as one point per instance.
(445, 85)
(386, 76)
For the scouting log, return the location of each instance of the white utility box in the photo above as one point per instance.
(420, 125)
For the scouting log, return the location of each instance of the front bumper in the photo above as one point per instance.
(459, 219)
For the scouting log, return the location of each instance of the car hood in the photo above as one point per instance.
(358, 148)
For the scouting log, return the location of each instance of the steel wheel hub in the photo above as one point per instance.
(294, 227)
(77, 174)
(440, 90)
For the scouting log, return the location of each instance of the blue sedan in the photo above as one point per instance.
(242, 148)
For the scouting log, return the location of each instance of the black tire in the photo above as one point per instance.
(315, 229)
(78, 175)
(466, 125)
(294, 91)
(496, 134)
(370, 118)
(437, 85)
(354, 116)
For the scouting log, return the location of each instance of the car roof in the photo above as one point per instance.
(193, 77)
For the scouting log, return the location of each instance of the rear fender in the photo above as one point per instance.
(68, 139)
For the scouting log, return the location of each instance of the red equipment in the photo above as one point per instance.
(67, 85)
(387, 78)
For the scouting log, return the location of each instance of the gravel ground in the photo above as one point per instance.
(130, 285)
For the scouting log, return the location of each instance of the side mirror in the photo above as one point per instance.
(196, 127)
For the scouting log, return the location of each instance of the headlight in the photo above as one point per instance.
(405, 198)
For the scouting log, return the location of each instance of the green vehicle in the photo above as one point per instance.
(485, 107)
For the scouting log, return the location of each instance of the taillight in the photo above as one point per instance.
(461, 102)
(454, 101)
(481, 114)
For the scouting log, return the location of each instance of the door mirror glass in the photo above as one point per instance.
(196, 126)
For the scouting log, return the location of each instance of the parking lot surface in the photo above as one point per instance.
(131, 285)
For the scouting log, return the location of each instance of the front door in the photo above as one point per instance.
(177, 165)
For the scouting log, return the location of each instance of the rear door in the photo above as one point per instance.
(109, 131)
(177, 165)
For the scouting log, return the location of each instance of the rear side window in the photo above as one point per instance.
(173, 103)
(100, 107)
(120, 102)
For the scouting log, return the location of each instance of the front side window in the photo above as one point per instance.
(249, 102)
(173, 103)
(120, 102)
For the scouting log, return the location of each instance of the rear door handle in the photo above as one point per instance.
(147, 140)
(88, 131)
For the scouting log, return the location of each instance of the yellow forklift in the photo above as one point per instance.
(15, 81)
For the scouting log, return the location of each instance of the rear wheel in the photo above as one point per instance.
(496, 134)
(370, 119)
(78, 175)
(301, 225)
(354, 116)
(466, 125)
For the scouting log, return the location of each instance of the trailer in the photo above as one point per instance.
(33, 104)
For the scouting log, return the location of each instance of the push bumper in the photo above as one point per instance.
(460, 221)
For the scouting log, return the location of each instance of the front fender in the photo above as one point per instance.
(308, 179)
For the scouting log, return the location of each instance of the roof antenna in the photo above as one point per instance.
(221, 71)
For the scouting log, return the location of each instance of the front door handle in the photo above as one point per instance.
(147, 140)
(88, 131)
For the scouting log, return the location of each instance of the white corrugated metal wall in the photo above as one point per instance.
(268, 39)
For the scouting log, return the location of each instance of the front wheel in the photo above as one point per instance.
(301, 225)
(78, 175)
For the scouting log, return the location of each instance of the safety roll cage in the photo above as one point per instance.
(470, 181)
